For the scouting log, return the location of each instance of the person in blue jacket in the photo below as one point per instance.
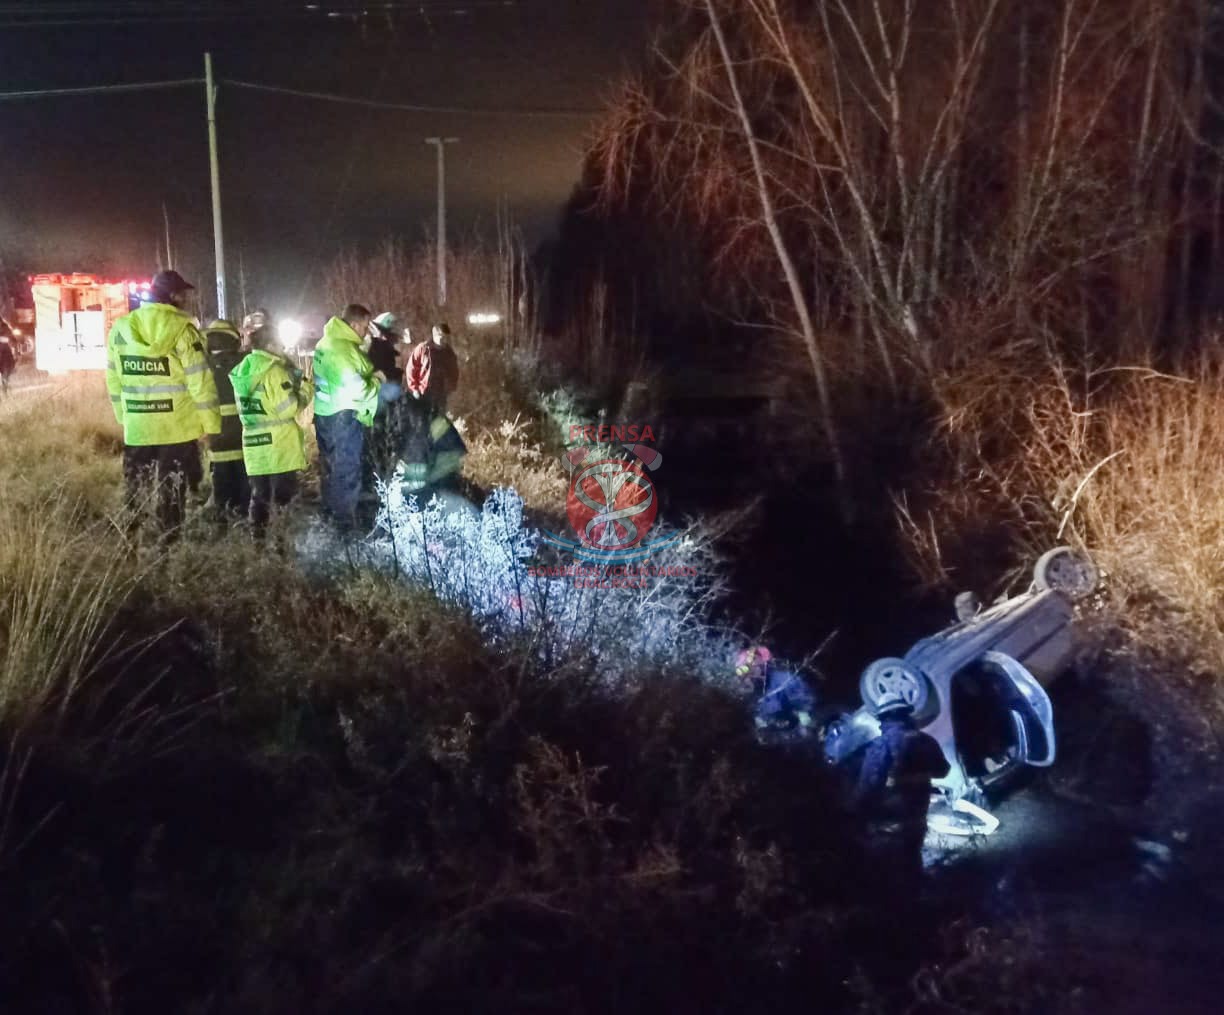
(893, 789)
(782, 699)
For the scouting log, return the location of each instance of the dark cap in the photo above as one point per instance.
(167, 283)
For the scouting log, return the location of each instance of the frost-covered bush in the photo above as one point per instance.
(487, 561)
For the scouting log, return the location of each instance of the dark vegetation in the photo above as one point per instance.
(988, 209)
(227, 787)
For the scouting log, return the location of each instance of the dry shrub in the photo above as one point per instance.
(1009, 970)
(510, 455)
(1122, 461)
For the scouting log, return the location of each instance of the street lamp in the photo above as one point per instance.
(290, 334)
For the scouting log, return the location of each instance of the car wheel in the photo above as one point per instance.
(1068, 571)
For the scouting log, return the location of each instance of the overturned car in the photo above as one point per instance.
(979, 687)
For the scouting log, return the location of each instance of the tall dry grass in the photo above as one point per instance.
(1122, 461)
(65, 567)
(63, 580)
(62, 436)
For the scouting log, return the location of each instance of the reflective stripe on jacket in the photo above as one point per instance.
(430, 448)
(269, 400)
(343, 374)
(159, 383)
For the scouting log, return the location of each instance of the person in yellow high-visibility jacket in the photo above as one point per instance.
(346, 397)
(270, 392)
(163, 396)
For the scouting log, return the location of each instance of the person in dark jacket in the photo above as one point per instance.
(385, 344)
(384, 352)
(782, 699)
(429, 450)
(893, 790)
(432, 373)
(231, 489)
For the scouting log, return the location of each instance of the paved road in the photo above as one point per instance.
(26, 380)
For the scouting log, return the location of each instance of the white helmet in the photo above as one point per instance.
(253, 321)
(387, 323)
(890, 683)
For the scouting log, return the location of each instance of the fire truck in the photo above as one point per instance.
(73, 314)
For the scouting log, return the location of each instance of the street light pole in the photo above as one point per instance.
(215, 171)
(440, 143)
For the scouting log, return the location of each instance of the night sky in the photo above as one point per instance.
(82, 179)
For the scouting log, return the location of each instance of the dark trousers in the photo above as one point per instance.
(269, 491)
(231, 492)
(160, 475)
(341, 440)
(379, 451)
(895, 848)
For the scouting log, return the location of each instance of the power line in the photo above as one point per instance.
(210, 8)
(569, 114)
(86, 15)
(146, 86)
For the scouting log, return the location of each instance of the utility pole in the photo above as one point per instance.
(169, 255)
(242, 289)
(215, 170)
(440, 143)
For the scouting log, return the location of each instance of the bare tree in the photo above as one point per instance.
(798, 297)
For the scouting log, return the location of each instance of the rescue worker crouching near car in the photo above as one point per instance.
(782, 699)
(271, 392)
(231, 492)
(346, 390)
(430, 451)
(164, 397)
(893, 790)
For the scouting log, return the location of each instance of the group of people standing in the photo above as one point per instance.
(376, 417)
(170, 384)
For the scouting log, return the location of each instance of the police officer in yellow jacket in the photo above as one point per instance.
(163, 396)
(271, 392)
(345, 400)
